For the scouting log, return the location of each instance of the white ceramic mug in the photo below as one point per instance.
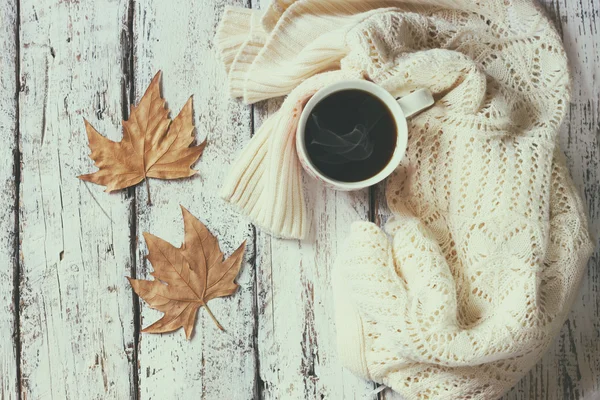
(401, 109)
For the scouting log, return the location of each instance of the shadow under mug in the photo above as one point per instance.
(401, 109)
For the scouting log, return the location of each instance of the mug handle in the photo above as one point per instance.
(415, 102)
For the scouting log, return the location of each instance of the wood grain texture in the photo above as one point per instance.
(78, 336)
(9, 347)
(177, 38)
(76, 319)
(296, 326)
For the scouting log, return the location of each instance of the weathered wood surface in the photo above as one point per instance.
(75, 333)
(296, 327)
(76, 307)
(8, 200)
(177, 38)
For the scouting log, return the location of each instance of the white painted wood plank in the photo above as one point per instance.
(176, 37)
(76, 305)
(296, 326)
(8, 234)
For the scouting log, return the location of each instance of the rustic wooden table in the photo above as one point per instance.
(69, 323)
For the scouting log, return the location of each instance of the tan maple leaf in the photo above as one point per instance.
(152, 145)
(186, 278)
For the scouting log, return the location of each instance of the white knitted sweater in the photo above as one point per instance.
(489, 239)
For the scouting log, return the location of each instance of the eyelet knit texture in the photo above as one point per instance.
(480, 264)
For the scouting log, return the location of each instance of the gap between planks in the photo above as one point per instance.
(127, 98)
(17, 187)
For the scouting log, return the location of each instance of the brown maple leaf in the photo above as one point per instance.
(152, 145)
(186, 278)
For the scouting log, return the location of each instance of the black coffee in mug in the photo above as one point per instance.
(350, 135)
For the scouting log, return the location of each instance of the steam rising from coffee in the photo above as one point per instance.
(350, 135)
(344, 147)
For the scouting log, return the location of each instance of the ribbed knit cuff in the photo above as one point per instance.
(232, 32)
(349, 326)
(239, 39)
(238, 75)
(274, 12)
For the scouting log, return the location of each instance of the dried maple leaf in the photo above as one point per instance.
(152, 145)
(186, 278)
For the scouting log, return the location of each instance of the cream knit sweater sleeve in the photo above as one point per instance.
(433, 324)
(266, 183)
(483, 257)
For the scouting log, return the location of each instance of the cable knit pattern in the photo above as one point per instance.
(483, 257)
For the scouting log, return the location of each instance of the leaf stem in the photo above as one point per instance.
(149, 202)
(213, 317)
